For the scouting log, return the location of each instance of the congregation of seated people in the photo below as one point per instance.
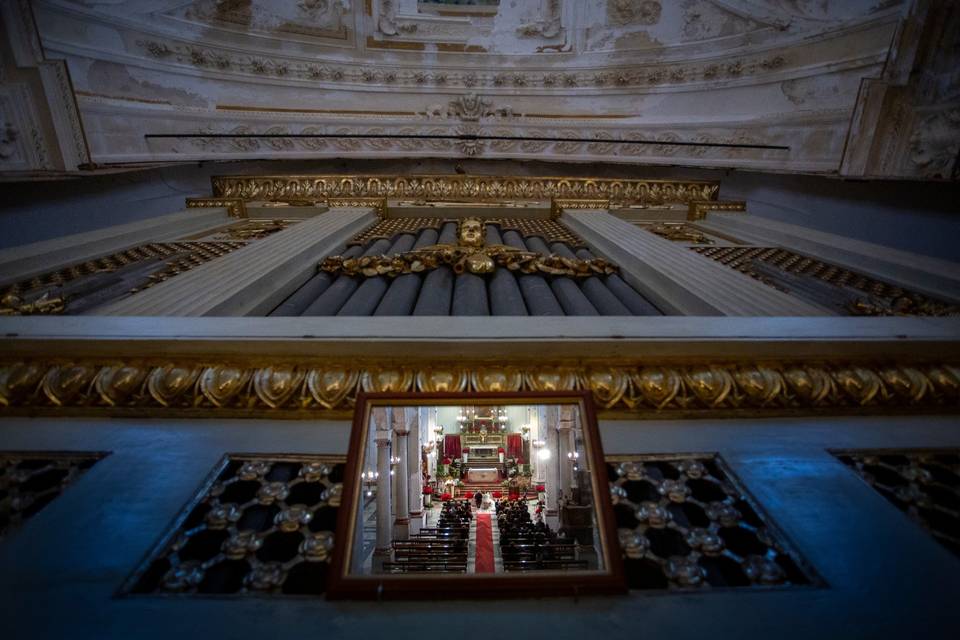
(528, 545)
(439, 549)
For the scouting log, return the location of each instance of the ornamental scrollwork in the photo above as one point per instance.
(710, 388)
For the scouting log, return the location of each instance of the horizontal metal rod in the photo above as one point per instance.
(464, 137)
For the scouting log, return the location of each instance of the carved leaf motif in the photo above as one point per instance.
(330, 387)
(906, 382)
(18, 380)
(946, 380)
(495, 379)
(115, 384)
(711, 385)
(63, 384)
(761, 385)
(275, 385)
(386, 380)
(441, 380)
(607, 385)
(657, 386)
(220, 385)
(860, 384)
(811, 385)
(169, 382)
(551, 380)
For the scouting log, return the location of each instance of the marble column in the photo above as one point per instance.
(384, 521)
(565, 426)
(414, 479)
(252, 280)
(401, 476)
(553, 483)
(676, 279)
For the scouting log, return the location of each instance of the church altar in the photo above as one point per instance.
(482, 474)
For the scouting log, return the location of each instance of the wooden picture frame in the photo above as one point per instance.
(609, 579)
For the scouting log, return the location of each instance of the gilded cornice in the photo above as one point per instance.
(314, 388)
(464, 187)
(236, 207)
(698, 209)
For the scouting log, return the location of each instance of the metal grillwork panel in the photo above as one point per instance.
(30, 481)
(923, 484)
(684, 523)
(262, 524)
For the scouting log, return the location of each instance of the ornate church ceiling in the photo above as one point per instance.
(765, 84)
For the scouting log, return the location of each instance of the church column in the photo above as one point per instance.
(553, 463)
(676, 279)
(564, 449)
(384, 521)
(401, 525)
(414, 480)
(254, 279)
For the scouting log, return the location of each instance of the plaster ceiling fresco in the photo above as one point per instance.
(753, 84)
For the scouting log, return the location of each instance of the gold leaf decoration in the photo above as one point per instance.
(116, 384)
(168, 383)
(496, 379)
(63, 384)
(331, 386)
(18, 380)
(657, 386)
(711, 385)
(441, 380)
(386, 380)
(220, 385)
(275, 385)
(812, 386)
(906, 382)
(607, 385)
(551, 380)
(862, 385)
(762, 385)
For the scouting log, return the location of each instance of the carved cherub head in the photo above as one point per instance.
(471, 233)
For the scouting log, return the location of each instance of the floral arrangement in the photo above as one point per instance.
(447, 461)
(466, 450)
(468, 495)
(501, 450)
(444, 497)
(497, 495)
(428, 490)
(541, 488)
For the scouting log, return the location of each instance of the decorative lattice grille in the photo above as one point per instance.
(30, 481)
(263, 524)
(923, 484)
(684, 523)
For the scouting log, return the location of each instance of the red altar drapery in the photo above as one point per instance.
(451, 447)
(514, 446)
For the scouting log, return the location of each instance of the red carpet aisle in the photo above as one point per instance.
(484, 544)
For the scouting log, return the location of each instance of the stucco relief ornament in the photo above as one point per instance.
(8, 140)
(934, 144)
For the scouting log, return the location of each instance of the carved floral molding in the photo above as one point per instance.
(293, 389)
(449, 187)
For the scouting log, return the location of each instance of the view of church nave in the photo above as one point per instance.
(475, 490)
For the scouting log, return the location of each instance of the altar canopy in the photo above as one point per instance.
(514, 446)
(451, 447)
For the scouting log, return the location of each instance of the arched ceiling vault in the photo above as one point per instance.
(758, 84)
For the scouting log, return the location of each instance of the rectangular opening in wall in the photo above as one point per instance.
(260, 524)
(685, 522)
(923, 483)
(29, 481)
